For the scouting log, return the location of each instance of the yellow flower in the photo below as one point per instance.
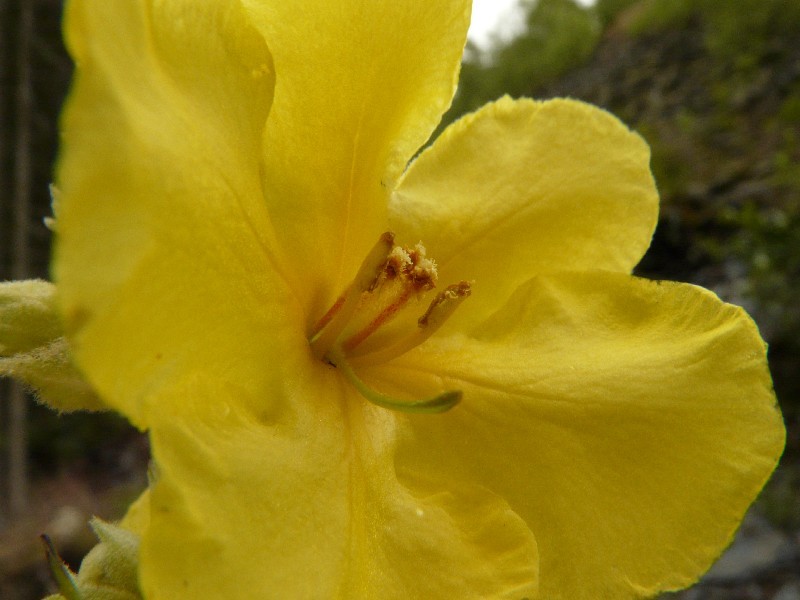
(217, 200)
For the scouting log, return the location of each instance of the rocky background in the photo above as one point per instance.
(714, 87)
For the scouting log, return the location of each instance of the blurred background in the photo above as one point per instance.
(714, 87)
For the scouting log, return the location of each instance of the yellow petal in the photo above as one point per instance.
(521, 188)
(34, 351)
(164, 259)
(137, 517)
(307, 506)
(361, 85)
(630, 423)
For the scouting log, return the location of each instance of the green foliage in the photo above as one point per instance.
(739, 33)
(607, 10)
(475, 85)
(766, 240)
(744, 30)
(778, 501)
(559, 35)
(655, 15)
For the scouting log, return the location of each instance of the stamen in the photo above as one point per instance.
(444, 305)
(326, 318)
(365, 281)
(440, 309)
(383, 317)
(415, 274)
(440, 403)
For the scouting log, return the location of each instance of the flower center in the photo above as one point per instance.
(369, 323)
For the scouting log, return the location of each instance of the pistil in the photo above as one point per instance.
(436, 404)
